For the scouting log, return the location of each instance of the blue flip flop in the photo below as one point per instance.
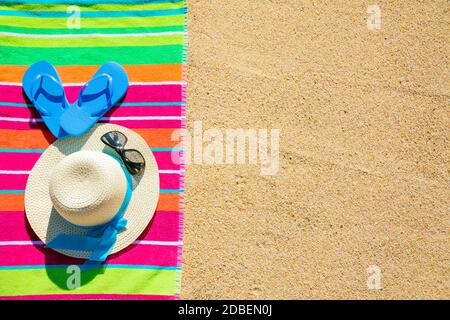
(42, 85)
(108, 85)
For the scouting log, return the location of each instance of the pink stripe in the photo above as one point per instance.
(168, 160)
(14, 227)
(118, 111)
(15, 112)
(18, 161)
(90, 297)
(33, 124)
(13, 181)
(26, 161)
(16, 125)
(19, 181)
(163, 227)
(144, 254)
(169, 180)
(158, 93)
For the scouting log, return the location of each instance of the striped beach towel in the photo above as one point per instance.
(149, 39)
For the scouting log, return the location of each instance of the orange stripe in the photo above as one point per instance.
(25, 139)
(160, 138)
(168, 202)
(15, 202)
(136, 73)
(40, 139)
(12, 202)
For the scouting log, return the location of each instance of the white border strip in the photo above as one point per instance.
(93, 35)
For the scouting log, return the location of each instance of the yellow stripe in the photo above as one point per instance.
(14, 41)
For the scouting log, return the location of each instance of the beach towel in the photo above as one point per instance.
(148, 38)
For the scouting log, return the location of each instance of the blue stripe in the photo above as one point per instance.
(22, 150)
(151, 104)
(13, 104)
(94, 14)
(171, 191)
(5, 150)
(167, 149)
(12, 191)
(107, 266)
(23, 191)
(124, 104)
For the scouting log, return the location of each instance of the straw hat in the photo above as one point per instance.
(79, 182)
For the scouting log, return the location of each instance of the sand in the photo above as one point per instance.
(364, 150)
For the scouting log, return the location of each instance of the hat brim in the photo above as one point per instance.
(47, 223)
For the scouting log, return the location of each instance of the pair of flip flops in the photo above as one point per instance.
(43, 86)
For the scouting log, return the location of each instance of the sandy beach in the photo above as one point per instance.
(363, 174)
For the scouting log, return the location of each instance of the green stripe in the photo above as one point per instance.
(18, 41)
(94, 22)
(91, 14)
(91, 30)
(95, 7)
(109, 281)
(93, 56)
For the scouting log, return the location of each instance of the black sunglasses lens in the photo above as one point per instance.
(134, 161)
(134, 156)
(114, 139)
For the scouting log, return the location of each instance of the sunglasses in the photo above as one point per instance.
(133, 160)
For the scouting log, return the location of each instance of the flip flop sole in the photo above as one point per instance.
(51, 113)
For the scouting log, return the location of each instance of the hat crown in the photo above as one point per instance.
(87, 188)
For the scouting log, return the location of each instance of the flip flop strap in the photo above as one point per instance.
(38, 90)
(106, 91)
